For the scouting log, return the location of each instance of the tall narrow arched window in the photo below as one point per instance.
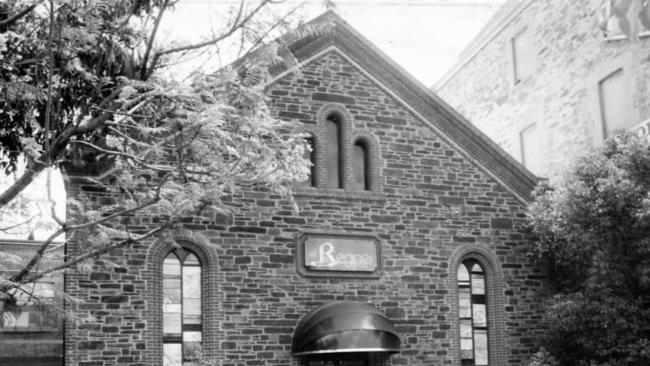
(472, 311)
(309, 155)
(182, 331)
(361, 166)
(334, 160)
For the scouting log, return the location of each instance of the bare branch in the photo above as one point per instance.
(21, 183)
(139, 161)
(50, 76)
(94, 253)
(147, 203)
(14, 18)
(144, 72)
(10, 227)
(261, 38)
(237, 24)
(37, 256)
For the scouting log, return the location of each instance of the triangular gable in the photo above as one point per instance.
(417, 98)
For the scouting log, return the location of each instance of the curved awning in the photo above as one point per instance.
(344, 326)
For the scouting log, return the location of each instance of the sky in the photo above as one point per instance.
(423, 36)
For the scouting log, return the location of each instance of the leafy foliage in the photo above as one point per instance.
(593, 236)
(83, 88)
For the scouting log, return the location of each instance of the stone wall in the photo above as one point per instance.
(429, 206)
(561, 95)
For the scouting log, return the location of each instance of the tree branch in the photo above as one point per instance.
(11, 20)
(237, 24)
(7, 228)
(37, 256)
(21, 183)
(94, 253)
(50, 71)
(149, 202)
(144, 72)
(140, 161)
(270, 29)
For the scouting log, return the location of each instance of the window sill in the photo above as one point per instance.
(344, 194)
(621, 36)
(29, 329)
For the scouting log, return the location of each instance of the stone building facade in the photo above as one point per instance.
(546, 83)
(411, 250)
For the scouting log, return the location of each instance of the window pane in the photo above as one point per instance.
(171, 291)
(191, 351)
(478, 284)
(360, 166)
(333, 151)
(171, 266)
(467, 355)
(191, 260)
(476, 268)
(466, 344)
(612, 90)
(466, 328)
(479, 315)
(191, 336)
(172, 308)
(463, 274)
(191, 282)
(481, 347)
(172, 323)
(191, 307)
(464, 310)
(172, 354)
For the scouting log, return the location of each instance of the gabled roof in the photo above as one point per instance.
(422, 102)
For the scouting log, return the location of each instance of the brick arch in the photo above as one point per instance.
(374, 160)
(494, 298)
(211, 297)
(346, 149)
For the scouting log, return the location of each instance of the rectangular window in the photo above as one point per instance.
(531, 154)
(613, 103)
(523, 55)
(36, 310)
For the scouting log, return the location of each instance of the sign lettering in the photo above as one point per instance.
(350, 254)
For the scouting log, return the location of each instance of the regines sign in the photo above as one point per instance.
(332, 255)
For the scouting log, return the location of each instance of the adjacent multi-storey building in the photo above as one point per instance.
(546, 83)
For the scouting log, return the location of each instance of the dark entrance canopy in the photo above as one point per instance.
(344, 326)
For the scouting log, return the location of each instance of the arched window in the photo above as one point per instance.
(309, 155)
(334, 160)
(181, 285)
(361, 166)
(472, 313)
